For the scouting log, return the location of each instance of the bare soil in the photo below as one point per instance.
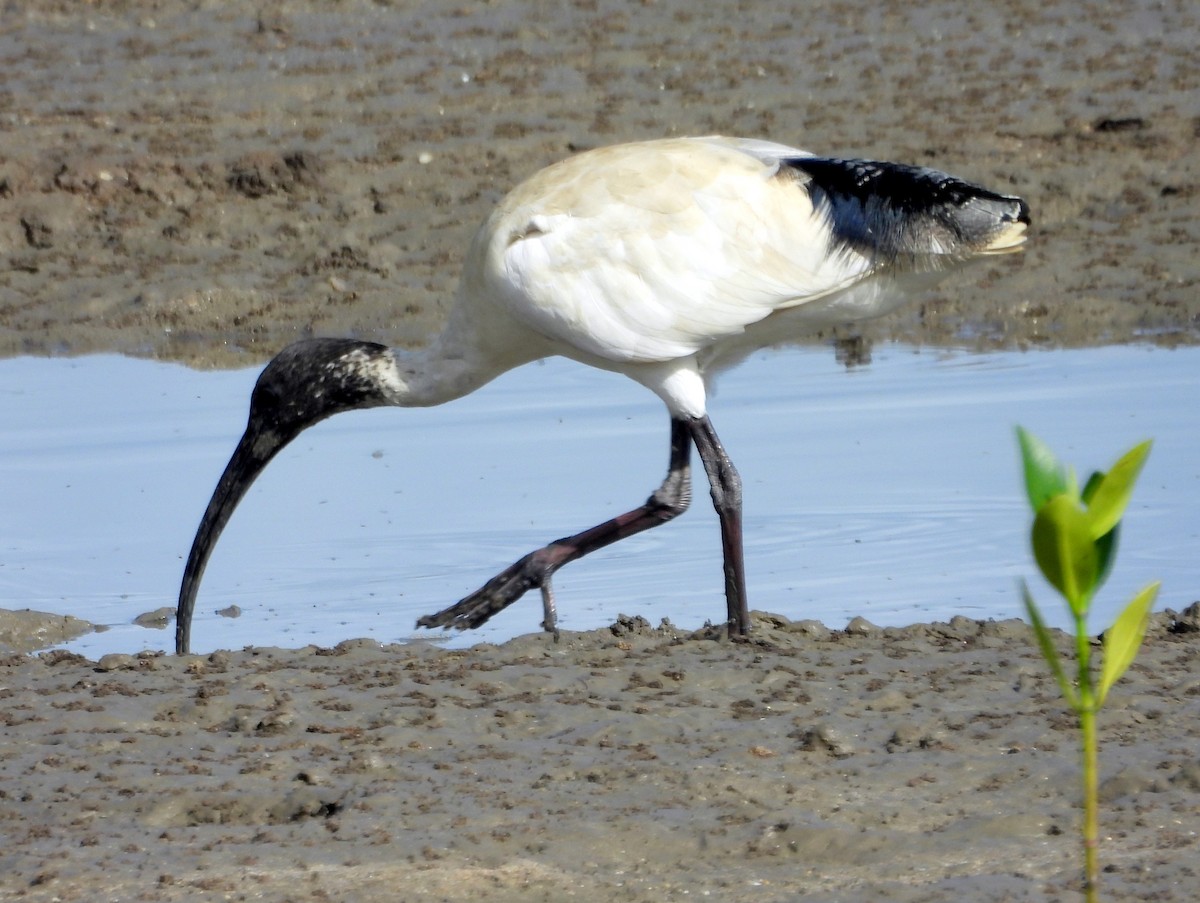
(194, 181)
(930, 763)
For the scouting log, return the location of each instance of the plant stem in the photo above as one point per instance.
(1087, 726)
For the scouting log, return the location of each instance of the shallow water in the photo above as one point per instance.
(890, 491)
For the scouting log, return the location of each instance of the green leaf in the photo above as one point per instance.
(1124, 638)
(1108, 498)
(1063, 547)
(1089, 488)
(1049, 653)
(1106, 554)
(1044, 476)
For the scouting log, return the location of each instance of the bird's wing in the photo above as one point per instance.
(654, 251)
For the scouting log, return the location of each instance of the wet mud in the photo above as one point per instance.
(929, 763)
(202, 182)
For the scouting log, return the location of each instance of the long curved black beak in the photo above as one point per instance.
(303, 384)
(255, 449)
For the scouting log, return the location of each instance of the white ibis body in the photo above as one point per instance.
(662, 260)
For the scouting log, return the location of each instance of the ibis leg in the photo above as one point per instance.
(536, 569)
(726, 486)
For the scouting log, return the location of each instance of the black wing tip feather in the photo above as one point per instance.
(895, 211)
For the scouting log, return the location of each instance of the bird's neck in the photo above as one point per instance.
(480, 341)
(458, 361)
(428, 376)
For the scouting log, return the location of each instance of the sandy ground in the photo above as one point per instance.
(196, 182)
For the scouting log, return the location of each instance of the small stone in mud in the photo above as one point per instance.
(1188, 621)
(630, 626)
(157, 619)
(860, 626)
(1007, 629)
(809, 627)
(116, 661)
(823, 738)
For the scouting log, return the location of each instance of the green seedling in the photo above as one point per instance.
(1074, 540)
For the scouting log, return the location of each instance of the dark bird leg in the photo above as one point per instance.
(726, 486)
(536, 569)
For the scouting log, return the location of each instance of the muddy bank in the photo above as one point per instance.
(27, 631)
(205, 183)
(921, 764)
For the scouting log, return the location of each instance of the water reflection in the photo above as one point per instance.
(889, 491)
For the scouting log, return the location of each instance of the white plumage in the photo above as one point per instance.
(662, 260)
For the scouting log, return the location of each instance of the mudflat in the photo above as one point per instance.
(928, 763)
(200, 182)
